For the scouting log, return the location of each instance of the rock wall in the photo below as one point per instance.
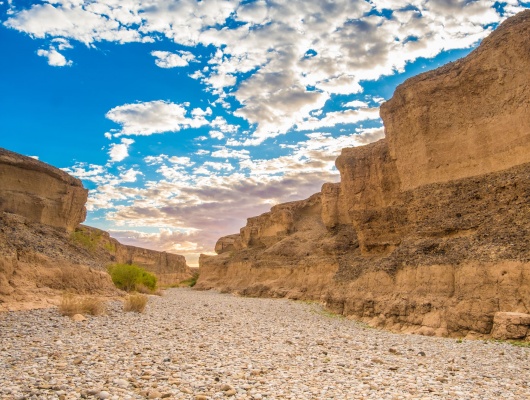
(168, 267)
(427, 231)
(466, 118)
(40, 192)
(43, 249)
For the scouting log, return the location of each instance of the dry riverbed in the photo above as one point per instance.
(206, 345)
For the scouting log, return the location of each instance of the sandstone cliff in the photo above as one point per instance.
(168, 267)
(40, 192)
(428, 229)
(43, 249)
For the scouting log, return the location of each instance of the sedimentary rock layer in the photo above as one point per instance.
(427, 230)
(168, 267)
(44, 250)
(40, 192)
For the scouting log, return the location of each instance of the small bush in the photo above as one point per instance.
(190, 281)
(135, 303)
(130, 277)
(87, 239)
(71, 305)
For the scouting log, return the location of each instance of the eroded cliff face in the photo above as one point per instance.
(168, 267)
(40, 192)
(43, 249)
(427, 231)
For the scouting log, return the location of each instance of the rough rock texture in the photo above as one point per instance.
(38, 262)
(428, 229)
(44, 250)
(466, 118)
(510, 325)
(40, 192)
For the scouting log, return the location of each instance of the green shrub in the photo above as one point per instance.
(190, 281)
(87, 239)
(129, 277)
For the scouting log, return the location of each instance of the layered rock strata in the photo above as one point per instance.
(40, 192)
(43, 249)
(428, 229)
(168, 267)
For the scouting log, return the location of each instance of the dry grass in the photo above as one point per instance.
(71, 305)
(135, 302)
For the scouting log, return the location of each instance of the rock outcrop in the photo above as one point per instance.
(168, 267)
(40, 192)
(428, 229)
(43, 249)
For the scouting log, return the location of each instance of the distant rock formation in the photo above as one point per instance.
(43, 249)
(428, 229)
(40, 192)
(168, 267)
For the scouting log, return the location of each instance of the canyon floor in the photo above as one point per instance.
(206, 345)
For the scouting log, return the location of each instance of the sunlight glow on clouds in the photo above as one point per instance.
(153, 117)
(282, 87)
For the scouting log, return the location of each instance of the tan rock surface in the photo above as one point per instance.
(43, 249)
(467, 118)
(40, 192)
(428, 229)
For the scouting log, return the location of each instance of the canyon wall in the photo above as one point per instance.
(43, 249)
(168, 267)
(40, 192)
(428, 229)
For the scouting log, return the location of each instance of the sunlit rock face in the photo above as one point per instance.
(427, 230)
(44, 250)
(40, 192)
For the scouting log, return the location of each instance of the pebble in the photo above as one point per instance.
(193, 345)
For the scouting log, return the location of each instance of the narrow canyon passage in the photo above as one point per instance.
(205, 345)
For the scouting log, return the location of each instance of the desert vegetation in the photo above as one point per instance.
(87, 239)
(131, 277)
(135, 302)
(72, 304)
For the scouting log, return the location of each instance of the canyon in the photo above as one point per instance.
(45, 251)
(427, 231)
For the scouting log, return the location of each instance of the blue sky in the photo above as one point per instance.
(183, 118)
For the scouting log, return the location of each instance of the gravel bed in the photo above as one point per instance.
(206, 345)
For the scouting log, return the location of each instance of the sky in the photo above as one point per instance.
(185, 117)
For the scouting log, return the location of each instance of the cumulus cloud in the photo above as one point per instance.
(120, 151)
(261, 58)
(152, 117)
(166, 59)
(55, 59)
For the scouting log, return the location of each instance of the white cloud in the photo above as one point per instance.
(55, 59)
(339, 117)
(120, 151)
(166, 59)
(225, 152)
(153, 117)
(349, 45)
(130, 175)
(217, 135)
(355, 104)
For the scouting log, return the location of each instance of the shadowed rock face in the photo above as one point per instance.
(427, 231)
(40, 192)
